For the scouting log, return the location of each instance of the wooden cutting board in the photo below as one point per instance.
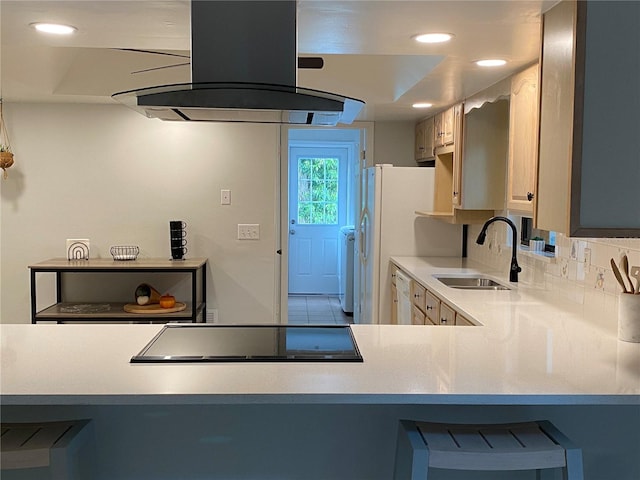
(153, 308)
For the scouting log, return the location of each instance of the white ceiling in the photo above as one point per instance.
(366, 45)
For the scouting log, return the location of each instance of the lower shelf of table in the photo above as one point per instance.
(115, 312)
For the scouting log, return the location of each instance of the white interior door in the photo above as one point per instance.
(317, 210)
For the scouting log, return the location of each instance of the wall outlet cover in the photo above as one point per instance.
(248, 231)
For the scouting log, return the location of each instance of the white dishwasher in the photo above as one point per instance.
(403, 286)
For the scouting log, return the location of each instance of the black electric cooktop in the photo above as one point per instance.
(250, 343)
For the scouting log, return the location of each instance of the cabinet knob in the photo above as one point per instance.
(416, 295)
(443, 321)
(529, 196)
(429, 307)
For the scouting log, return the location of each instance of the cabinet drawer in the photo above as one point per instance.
(447, 315)
(432, 308)
(394, 271)
(418, 295)
(424, 141)
(417, 317)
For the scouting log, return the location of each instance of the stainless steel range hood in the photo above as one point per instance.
(243, 69)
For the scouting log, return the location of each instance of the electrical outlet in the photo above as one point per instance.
(225, 197)
(212, 315)
(248, 231)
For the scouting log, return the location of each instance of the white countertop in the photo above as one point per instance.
(531, 349)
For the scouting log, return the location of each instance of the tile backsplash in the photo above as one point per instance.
(580, 271)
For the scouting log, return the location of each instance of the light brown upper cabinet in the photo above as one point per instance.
(445, 127)
(589, 143)
(523, 141)
(425, 149)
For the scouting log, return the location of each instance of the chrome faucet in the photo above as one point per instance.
(515, 268)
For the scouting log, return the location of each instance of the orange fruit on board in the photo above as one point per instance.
(167, 301)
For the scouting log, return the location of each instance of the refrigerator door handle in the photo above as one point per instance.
(362, 238)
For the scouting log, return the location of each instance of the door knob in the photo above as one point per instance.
(293, 222)
(292, 231)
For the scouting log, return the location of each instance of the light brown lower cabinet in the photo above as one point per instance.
(426, 307)
(447, 315)
(418, 317)
(432, 308)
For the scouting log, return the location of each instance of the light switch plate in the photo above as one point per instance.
(248, 231)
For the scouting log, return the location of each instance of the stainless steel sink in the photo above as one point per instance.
(472, 283)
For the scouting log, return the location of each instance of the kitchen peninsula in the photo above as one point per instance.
(532, 357)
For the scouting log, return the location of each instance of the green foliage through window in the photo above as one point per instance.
(318, 191)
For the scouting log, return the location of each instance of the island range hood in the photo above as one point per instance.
(243, 69)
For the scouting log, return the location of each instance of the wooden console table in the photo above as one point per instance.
(59, 311)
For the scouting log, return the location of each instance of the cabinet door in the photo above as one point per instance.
(456, 116)
(418, 295)
(432, 308)
(445, 127)
(424, 145)
(523, 141)
(447, 315)
(449, 126)
(394, 304)
(438, 130)
(417, 317)
(556, 118)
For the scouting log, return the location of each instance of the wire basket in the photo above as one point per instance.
(124, 252)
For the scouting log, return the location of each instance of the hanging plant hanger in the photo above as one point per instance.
(6, 155)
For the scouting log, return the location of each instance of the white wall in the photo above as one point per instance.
(395, 143)
(106, 173)
(111, 175)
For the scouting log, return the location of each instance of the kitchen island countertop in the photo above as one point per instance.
(531, 349)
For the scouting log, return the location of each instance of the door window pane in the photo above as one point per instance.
(318, 191)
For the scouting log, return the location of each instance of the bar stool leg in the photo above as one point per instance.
(72, 458)
(573, 454)
(412, 455)
(547, 474)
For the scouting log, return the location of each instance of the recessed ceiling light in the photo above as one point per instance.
(422, 105)
(433, 37)
(55, 28)
(495, 62)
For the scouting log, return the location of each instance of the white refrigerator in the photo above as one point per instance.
(388, 226)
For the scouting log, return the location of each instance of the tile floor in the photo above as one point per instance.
(316, 309)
